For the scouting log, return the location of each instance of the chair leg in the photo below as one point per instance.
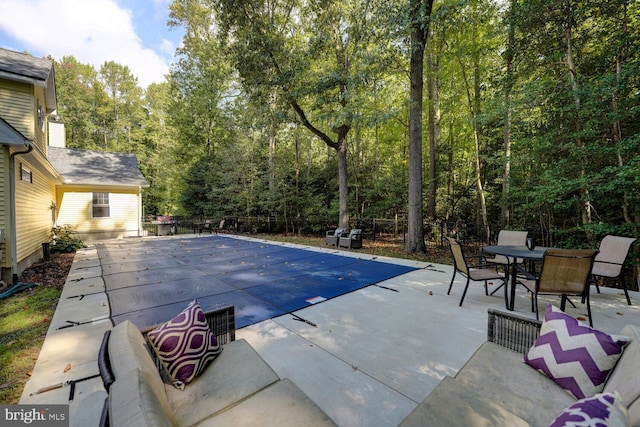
(464, 292)
(451, 284)
(589, 311)
(497, 289)
(535, 302)
(533, 307)
(624, 288)
(563, 303)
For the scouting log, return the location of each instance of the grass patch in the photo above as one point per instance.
(24, 321)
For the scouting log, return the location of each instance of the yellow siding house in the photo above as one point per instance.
(97, 194)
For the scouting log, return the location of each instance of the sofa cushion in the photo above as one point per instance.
(279, 405)
(625, 378)
(502, 376)
(577, 357)
(185, 345)
(237, 373)
(128, 350)
(134, 401)
(452, 403)
(605, 409)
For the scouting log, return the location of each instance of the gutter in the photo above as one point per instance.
(12, 205)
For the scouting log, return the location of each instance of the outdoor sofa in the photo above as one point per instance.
(237, 388)
(497, 388)
(333, 236)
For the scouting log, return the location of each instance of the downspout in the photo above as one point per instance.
(12, 207)
(139, 211)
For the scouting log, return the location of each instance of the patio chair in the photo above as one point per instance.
(353, 240)
(204, 226)
(565, 272)
(508, 238)
(333, 236)
(609, 263)
(476, 273)
(217, 228)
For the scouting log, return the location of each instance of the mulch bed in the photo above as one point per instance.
(52, 273)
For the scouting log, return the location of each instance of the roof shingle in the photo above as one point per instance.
(87, 167)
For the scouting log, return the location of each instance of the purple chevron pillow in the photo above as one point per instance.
(185, 345)
(603, 409)
(578, 358)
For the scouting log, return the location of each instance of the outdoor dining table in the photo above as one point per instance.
(513, 253)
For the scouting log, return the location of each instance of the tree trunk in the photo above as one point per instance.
(343, 183)
(573, 73)
(420, 13)
(477, 132)
(508, 86)
(617, 127)
(434, 135)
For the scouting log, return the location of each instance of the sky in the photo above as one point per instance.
(130, 32)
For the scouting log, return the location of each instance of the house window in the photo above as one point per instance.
(25, 174)
(100, 205)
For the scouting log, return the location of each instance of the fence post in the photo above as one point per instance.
(395, 227)
(374, 230)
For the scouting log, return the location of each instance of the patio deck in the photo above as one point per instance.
(375, 354)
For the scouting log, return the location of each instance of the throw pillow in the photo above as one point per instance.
(602, 409)
(577, 357)
(185, 345)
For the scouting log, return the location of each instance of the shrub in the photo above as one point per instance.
(64, 241)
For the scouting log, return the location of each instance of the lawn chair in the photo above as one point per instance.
(508, 238)
(353, 240)
(481, 272)
(334, 235)
(565, 272)
(204, 226)
(609, 263)
(219, 227)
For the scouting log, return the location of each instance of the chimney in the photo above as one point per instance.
(56, 134)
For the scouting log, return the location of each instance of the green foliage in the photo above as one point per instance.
(220, 138)
(25, 320)
(63, 240)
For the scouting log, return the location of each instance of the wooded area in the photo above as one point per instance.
(301, 110)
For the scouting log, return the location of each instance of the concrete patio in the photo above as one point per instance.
(375, 354)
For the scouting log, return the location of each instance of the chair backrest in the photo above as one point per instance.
(613, 252)
(338, 231)
(355, 233)
(510, 238)
(459, 262)
(566, 271)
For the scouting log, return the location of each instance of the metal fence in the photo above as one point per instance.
(471, 236)
(373, 228)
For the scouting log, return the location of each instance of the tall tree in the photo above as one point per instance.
(309, 51)
(419, 18)
(508, 87)
(122, 117)
(80, 96)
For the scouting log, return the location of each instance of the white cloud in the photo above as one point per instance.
(93, 31)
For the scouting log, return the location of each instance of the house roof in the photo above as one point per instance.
(87, 167)
(25, 68)
(10, 135)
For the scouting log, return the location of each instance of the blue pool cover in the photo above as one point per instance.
(152, 281)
